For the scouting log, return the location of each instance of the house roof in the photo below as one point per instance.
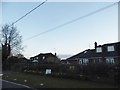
(91, 53)
(115, 43)
(85, 54)
(46, 55)
(41, 55)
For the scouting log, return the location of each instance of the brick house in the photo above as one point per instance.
(107, 53)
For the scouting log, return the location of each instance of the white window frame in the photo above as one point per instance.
(110, 48)
(110, 60)
(85, 61)
(80, 61)
(99, 49)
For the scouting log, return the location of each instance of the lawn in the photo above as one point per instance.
(37, 81)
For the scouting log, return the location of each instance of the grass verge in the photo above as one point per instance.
(37, 81)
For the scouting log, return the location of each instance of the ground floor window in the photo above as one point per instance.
(80, 61)
(72, 67)
(110, 60)
(97, 60)
(83, 61)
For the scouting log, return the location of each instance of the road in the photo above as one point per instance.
(6, 85)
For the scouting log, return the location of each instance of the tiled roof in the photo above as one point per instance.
(85, 54)
(46, 54)
(91, 53)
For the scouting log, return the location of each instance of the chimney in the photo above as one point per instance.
(55, 54)
(95, 44)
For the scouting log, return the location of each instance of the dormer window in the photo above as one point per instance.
(110, 48)
(99, 49)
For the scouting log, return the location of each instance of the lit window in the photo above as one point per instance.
(110, 60)
(110, 48)
(99, 49)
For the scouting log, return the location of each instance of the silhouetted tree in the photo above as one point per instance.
(11, 41)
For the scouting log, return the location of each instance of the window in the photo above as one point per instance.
(43, 57)
(72, 67)
(85, 61)
(99, 49)
(36, 58)
(110, 48)
(110, 60)
(98, 60)
(80, 61)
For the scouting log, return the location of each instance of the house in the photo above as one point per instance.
(46, 58)
(107, 53)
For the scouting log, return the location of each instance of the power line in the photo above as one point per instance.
(72, 21)
(27, 13)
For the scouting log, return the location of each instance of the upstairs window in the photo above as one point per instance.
(99, 49)
(110, 48)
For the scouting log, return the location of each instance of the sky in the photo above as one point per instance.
(66, 41)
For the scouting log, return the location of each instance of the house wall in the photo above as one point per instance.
(52, 60)
(107, 54)
(46, 58)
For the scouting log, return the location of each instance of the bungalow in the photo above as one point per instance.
(46, 58)
(107, 53)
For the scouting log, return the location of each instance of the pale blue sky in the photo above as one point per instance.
(71, 39)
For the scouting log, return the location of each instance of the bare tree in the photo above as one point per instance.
(11, 41)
